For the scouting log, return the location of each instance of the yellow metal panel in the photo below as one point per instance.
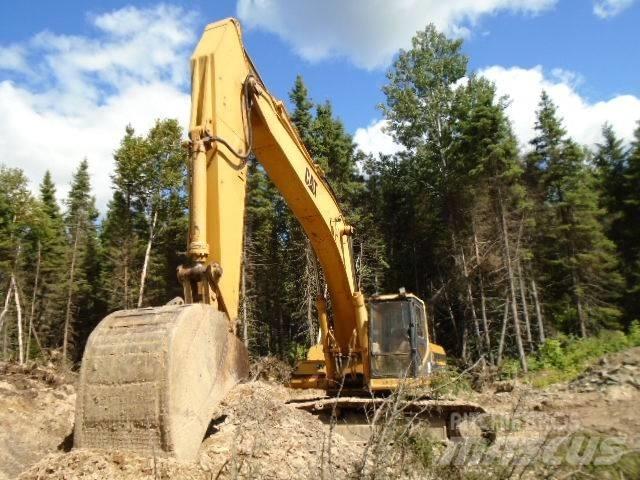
(316, 352)
(309, 367)
(293, 172)
(383, 384)
(220, 67)
(315, 381)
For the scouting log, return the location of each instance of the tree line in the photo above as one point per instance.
(63, 268)
(508, 245)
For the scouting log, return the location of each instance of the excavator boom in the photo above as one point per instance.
(233, 114)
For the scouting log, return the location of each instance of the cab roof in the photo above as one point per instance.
(394, 296)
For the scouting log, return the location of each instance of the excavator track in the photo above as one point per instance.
(151, 378)
(354, 417)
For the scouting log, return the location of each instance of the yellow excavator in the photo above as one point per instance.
(151, 378)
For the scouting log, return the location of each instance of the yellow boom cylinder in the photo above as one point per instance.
(198, 246)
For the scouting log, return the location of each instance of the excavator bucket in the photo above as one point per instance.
(151, 379)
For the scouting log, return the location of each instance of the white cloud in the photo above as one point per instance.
(82, 91)
(368, 32)
(582, 119)
(12, 58)
(373, 139)
(610, 8)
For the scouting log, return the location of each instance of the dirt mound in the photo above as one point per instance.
(36, 415)
(254, 434)
(270, 369)
(261, 437)
(620, 370)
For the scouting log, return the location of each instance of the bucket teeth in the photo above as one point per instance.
(151, 378)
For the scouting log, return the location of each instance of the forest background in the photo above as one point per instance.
(509, 246)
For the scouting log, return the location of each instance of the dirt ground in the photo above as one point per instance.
(255, 434)
(36, 416)
(603, 399)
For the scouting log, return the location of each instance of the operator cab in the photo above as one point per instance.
(398, 337)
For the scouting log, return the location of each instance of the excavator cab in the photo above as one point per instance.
(398, 338)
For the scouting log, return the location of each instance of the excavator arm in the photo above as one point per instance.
(232, 115)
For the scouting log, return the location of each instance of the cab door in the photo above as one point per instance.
(419, 340)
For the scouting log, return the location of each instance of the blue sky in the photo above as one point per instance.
(583, 52)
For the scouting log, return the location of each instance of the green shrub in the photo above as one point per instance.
(634, 333)
(448, 382)
(550, 355)
(510, 368)
(563, 358)
(424, 447)
(296, 351)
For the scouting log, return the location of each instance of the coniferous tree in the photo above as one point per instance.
(488, 147)
(301, 284)
(578, 258)
(302, 115)
(120, 237)
(146, 222)
(83, 310)
(610, 162)
(629, 231)
(263, 261)
(119, 241)
(50, 308)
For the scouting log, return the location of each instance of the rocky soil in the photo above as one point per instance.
(620, 370)
(603, 399)
(36, 415)
(255, 434)
(599, 406)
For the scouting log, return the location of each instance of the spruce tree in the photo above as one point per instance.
(119, 234)
(629, 231)
(83, 309)
(610, 162)
(263, 260)
(50, 311)
(118, 239)
(578, 258)
(488, 148)
(334, 150)
(146, 223)
(302, 114)
(300, 279)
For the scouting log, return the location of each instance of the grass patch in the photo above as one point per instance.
(564, 358)
(448, 381)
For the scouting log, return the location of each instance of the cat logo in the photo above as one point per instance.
(310, 181)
